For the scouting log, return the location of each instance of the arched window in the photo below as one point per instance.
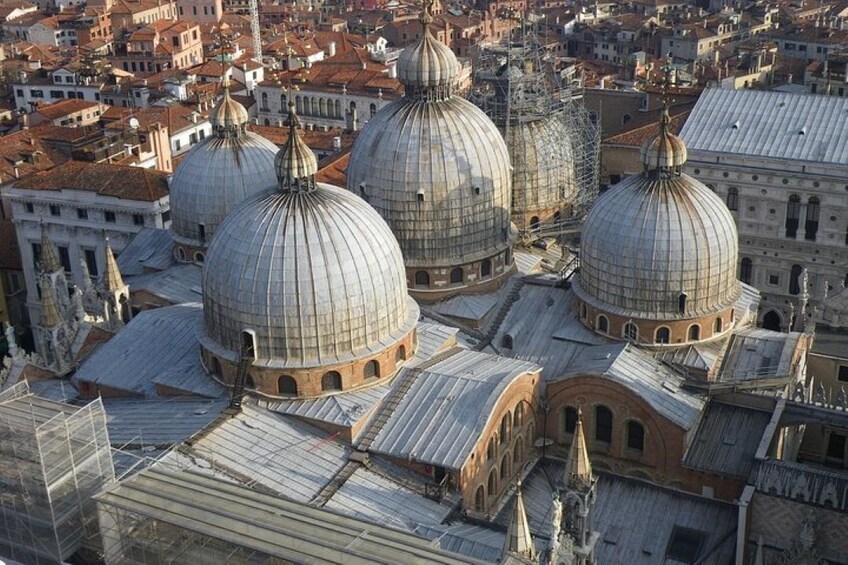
(480, 499)
(519, 416)
(534, 223)
(180, 254)
(322, 107)
(506, 341)
(338, 107)
(583, 311)
(266, 122)
(681, 303)
(506, 427)
(795, 280)
(371, 371)
(663, 335)
(718, 325)
(491, 450)
(569, 419)
(771, 321)
(603, 424)
(331, 380)
(635, 436)
(811, 226)
(250, 383)
(505, 460)
(298, 105)
(694, 332)
(248, 344)
(373, 109)
(630, 332)
(603, 324)
(492, 486)
(456, 275)
(516, 456)
(283, 104)
(352, 105)
(626, 118)
(287, 386)
(746, 269)
(486, 268)
(400, 354)
(265, 101)
(422, 279)
(793, 213)
(199, 257)
(732, 198)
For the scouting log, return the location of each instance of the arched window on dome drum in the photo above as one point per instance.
(718, 326)
(793, 214)
(480, 499)
(505, 460)
(199, 257)
(732, 198)
(249, 383)
(422, 279)
(694, 332)
(630, 332)
(534, 224)
(180, 254)
(266, 122)
(795, 279)
(603, 424)
(456, 275)
(506, 341)
(746, 270)
(352, 105)
(492, 486)
(287, 386)
(569, 419)
(331, 380)
(635, 436)
(201, 233)
(373, 109)
(663, 335)
(681, 303)
(400, 354)
(371, 371)
(519, 416)
(486, 268)
(248, 345)
(603, 324)
(583, 311)
(265, 101)
(811, 226)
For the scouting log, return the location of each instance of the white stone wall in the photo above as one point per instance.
(182, 140)
(273, 109)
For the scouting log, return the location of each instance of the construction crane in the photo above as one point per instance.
(254, 30)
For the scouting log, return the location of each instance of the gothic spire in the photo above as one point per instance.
(49, 309)
(518, 539)
(112, 280)
(578, 470)
(48, 260)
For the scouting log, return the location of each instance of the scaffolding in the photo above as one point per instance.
(53, 458)
(553, 143)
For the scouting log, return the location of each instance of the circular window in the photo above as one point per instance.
(697, 171)
(816, 183)
(755, 177)
(764, 191)
(751, 209)
(771, 211)
(833, 218)
(198, 256)
(785, 181)
(725, 174)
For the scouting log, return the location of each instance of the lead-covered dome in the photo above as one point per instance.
(437, 170)
(216, 175)
(660, 246)
(314, 276)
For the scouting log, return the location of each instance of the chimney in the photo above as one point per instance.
(194, 117)
(128, 149)
(23, 77)
(337, 144)
(17, 173)
(331, 49)
(393, 71)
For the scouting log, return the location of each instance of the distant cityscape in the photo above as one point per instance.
(423, 282)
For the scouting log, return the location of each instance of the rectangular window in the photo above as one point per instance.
(109, 217)
(82, 213)
(37, 93)
(29, 207)
(138, 219)
(65, 258)
(192, 138)
(91, 261)
(56, 94)
(36, 254)
(774, 280)
(166, 217)
(177, 145)
(201, 133)
(842, 374)
(19, 93)
(55, 210)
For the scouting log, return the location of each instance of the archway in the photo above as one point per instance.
(771, 321)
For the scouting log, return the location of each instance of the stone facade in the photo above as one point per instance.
(434, 284)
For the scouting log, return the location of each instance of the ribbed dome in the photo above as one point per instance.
(213, 177)
(427, 64)
(228, 116)
(665, 151)
(295, 163)
(543, 164)
(438, 172)
(316, 274)
(654, 237)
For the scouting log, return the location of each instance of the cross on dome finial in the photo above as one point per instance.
(296, 163)
(665, 153)
(426, 13)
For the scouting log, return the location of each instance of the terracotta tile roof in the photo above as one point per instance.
(64, 107)
(129, 183)
(176, 116)
(10, 253)
(635, 137)
(314, 139)
(25, 151)
(333, 170)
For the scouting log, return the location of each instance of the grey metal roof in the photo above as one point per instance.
(150, 249)
(339, 409)
(157, 423)
(756, 354)
(726, 439)
(441, 416)
(467, 307)
(274, 451)
(317, 275)
(769, 124)
(833, 343)
(271, 525)
(60, 390)
(374, 498)
(644, 375)
(176, 285)
(432, 338)
(473, 541)
(157, 347)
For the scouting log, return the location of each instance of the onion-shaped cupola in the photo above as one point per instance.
(658, 254)
(437, 170)
(312, 279)
(216, 175)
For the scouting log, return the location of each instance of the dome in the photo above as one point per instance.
(428, 63)
(296, 160)
(437, 170)
(217, 174)
(310, 270)
(659, 245)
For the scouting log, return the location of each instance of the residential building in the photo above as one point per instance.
(127, 14)
(158, 46)
(72, 112)
(200, 11)
(809, 41)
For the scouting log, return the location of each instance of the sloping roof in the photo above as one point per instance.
(640, 372)
(275, 527)
(151, 249)
(756, 353)
(23, 153)
(62, 108)
(129, 183)
(177, 284)
(10, 253)
(636, 136)
(727, 439)
(440, 419)
(155, 343)
(769, 124)
(160, 423)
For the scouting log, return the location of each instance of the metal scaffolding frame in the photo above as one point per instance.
(553, 142)
(53, 458)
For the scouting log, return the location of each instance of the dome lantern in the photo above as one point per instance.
(229, 118)
(664, 154)
(428, 69)
(295, 163)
